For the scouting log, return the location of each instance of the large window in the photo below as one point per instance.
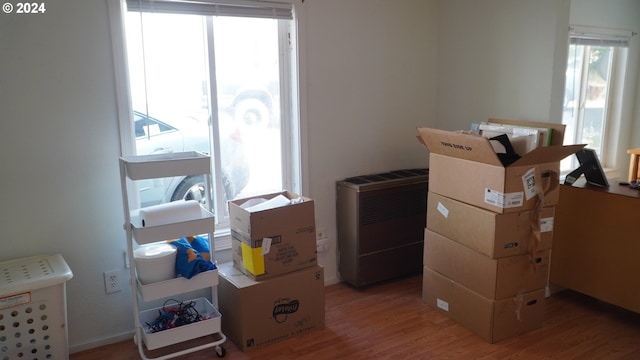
(593, 87)
(217, 78)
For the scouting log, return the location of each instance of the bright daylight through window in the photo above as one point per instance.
(201, 80)
(593, 87)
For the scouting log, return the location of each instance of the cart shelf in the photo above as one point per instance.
(167, 165)
(144, 235)
(179, 285)
(155, 340)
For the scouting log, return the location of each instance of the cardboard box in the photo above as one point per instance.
(493, 234)
(493, 279)
(466, 168)
(492, 320)
(259, 313)
(274, 241)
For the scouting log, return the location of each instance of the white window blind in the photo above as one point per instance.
(244, 8)
(580, 35)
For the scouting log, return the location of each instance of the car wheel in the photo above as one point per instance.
(252, 113)
(193, 187)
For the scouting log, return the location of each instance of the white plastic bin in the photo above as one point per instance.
(211, 325)
(155, 262)
(33, 310)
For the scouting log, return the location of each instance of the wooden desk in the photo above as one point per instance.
(596, 243)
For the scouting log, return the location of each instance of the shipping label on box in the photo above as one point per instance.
(491, 320)
(492, 278)
(260, 313)
(493, 234)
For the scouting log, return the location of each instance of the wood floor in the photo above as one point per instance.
(389, 321)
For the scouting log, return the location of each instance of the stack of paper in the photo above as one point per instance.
(522, 138)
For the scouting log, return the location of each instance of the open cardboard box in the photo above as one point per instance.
(274, 241)
(466, 168)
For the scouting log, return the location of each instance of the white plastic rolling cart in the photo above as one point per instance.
(159, 166)
(33, 308)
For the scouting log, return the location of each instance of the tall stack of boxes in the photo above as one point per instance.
(274, 288)
(489, 231)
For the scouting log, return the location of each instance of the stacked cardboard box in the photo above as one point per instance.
(260, 313)
(274, 288)
(489, 231)
(274, 240)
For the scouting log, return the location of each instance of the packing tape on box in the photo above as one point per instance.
(518, 299)
(175, 211)
(536, 213)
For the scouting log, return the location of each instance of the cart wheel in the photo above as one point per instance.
(220, 351)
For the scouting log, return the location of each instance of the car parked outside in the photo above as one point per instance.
(189, 133)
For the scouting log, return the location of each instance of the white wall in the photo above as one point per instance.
(498, 58)
(370, 83)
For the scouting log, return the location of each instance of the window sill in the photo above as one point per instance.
(611, 173)
(222, 239)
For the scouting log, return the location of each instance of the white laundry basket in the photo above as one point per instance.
(33, 310)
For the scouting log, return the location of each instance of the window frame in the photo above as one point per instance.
(293, 134)
(612, 117)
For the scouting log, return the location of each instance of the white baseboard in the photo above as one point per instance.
(331, 281)
(74, 348)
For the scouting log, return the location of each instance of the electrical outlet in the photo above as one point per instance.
(322, 245)
(112, 281)
(321, 233)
